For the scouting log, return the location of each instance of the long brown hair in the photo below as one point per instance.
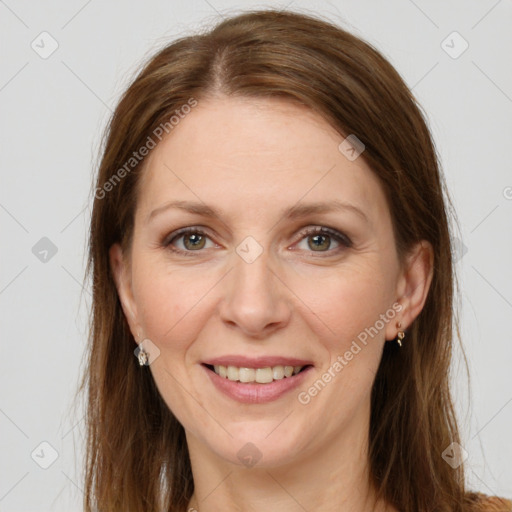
(136, 453)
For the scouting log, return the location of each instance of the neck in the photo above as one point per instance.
(331, 477)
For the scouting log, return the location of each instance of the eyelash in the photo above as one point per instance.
(341, 238)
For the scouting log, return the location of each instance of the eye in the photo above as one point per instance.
(319, 239)
(194, 239)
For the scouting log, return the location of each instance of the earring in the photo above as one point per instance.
(142, 355)
(400, 335)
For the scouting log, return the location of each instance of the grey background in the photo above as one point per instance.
(53, 111)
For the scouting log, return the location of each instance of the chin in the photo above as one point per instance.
(254, 447)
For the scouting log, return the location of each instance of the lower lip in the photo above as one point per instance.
(255, 393)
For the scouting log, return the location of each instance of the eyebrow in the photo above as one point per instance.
(294, 212)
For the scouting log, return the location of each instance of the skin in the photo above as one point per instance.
(251, 158)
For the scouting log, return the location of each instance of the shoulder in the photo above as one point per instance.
(483, 503)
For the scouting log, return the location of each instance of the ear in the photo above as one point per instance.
(122, 276)
(412, 286)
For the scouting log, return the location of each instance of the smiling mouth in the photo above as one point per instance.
(256, 375)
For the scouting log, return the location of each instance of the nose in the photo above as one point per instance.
(256, 301)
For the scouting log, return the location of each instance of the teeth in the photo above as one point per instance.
(233, 373)
(259, 375)
(288, 371)
(246, 374)
(263, 375)
(278, 372)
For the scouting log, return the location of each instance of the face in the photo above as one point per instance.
(265, 282)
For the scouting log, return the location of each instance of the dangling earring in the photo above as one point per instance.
(141, 354)
(400, 335)
(143, 357)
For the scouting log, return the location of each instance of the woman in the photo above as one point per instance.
(270, 240)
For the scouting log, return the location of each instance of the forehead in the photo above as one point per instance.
(256, 156)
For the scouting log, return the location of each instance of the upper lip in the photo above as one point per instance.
(256, 362)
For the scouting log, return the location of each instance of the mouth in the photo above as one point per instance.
(262, 375)
(256, 380)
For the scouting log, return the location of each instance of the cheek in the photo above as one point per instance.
(170, 306)
(345, 312)
(342, 304)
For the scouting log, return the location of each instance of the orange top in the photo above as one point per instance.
(486, 503)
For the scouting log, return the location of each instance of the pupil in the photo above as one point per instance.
(317, 237)
(195, 240)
